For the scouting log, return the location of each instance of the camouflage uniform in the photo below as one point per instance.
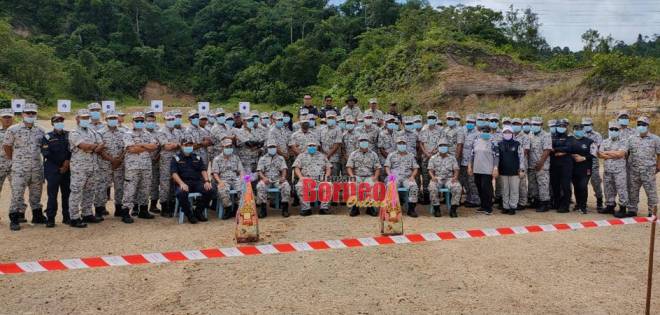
(539, 182)
(155, 169)
(167, 135)
(387, 142)
(350, 144)
(402, 165)
(355, 111)
(27, 168)
(331, 135)
(137, 169)
(301, 139)
(84, 171)
(248, 155)
(596, 181)
(411, 140)
(643, 152)
(523, 138)
(614, 177)
(5, 163)
(229, 169)
(219, 132)
(114, 144)
(271, 167)
(471, 193)
(443, 168)
(198, 134)
(364, 164)
(429, 136)
(311, 166)
(372, 134)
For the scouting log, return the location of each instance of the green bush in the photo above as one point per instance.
(613, 70)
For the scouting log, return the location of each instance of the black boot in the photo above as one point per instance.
(305, 213)
(165, 210)
(452, 212)
(38, 217)
(50, 223)
(144, 213)
(14, 224)
(78, 223)
(599, 204)
(90, 219)
(118, 210)
(99, 211)
(324, 211)
(436, 211)
(135, 211)
(543, 206)
(126, 216)
(21, 217)
(199, 214)
(262, 211)
(631, 214)
(372, 211)
(621, 213)
(153, 207)
(285, 209)
(354, 211)
(607, 210)
(411, 210)
(425, 198)
(511, 212)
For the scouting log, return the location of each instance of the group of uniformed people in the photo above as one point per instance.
(510, 161)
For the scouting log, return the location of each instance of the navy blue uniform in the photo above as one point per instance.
(561, 171)
(190, 168)
(581, 170)
(55, 149)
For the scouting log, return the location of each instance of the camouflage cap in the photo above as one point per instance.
(443, 141)
(111, 114)
(552, 123)
(271, 143)
(401, 139)
(482, 116)
(563, 122)
(137, 115)
(278, 116)
(432, 113)
(177, 112)
(219, 111)
(30, 107)
(226, 142)
(587, 121)
(303, 111)
(121, 113)
(187, 139)
(525, 121)
(539, 120)
(341, 118)
(417, 118)
(373, 100)
(56, 116)
(82, 112)
(471, 117)
(368, 114)
(389, 117)
(203, 116)
(331, 113)
(622, 112)
(644, 119)
(457, 116)
(265, 115)
(312, 143)
(6, 112)
(506, 119)
(493, 116)
(613, 124)
(516, 121)
(94, 106)
(254, 113)
(450, 115)
(363, 137)
(169, 115)
(192, 112)
(507, 129)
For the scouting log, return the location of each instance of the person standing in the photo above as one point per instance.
(584, 149)
(387, 139)
(510, 169)
(111, 164)
(375, 112)
(57, 158)
(596, 180)
(327, 106)
(349, 142)
(6, 120)
(614, 151)
(307, 104)
(561, 167)
(169, 139)
(538, 171)
(644, 158)
(471, 135)
(351, 107)
(429, 138)
(152, 127)
(484, 161)
(22, 145)
(331, 138)
(523, 138)
(444, 170)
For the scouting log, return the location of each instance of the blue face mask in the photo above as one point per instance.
(578, 133)
(228, 151)
(363, 144)
(331, 122)
(113, 122)
(342, 124)
(431, 121)
(516, 129)
(642, 129)
(485, 136)
(221, 119)
(229, 123)
(312, 123)
(418, 125)
(84, 123)
(286, 119)
(151, 125)
(443, 149)
(481, 123)
(561, 129)
(526, 128)
(360, 124)
(588, 128)
(29, 120)
(95, 115)
(613, 134)
(187, 150)
(279, 124)
(391, 126)
(401, 147)
(177, 121)
(409, 127)
(311, 150)
(553, 129)
(170, 123)
(195, 121)
(469, 126)
(451, 123)
(535, 129)
(350, 126)
(250, 124)
(493, 124)
(272, 151)
(265, 121)
(139, 124)
(58, 126)
(623, 121)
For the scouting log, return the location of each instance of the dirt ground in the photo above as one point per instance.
(594, 271)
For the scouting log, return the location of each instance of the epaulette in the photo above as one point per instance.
(47, 136)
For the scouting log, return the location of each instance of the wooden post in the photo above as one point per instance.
(649, 279)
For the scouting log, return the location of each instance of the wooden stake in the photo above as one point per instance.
(649, 282)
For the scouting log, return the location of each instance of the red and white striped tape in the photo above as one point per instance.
(213, 253)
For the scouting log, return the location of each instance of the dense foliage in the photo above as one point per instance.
(271, 51)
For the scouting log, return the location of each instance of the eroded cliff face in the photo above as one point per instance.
(641, 98)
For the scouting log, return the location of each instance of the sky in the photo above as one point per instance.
(564, 21)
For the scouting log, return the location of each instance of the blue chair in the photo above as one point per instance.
(276, 192)
(178, 211)
(221, 208)
(447, 193)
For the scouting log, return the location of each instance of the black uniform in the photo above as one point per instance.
(581, 170)
(55, 149)
(190, 168)
(561, 171)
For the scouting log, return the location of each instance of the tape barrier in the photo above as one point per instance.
(282, 248)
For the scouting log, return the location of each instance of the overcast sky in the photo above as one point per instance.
(565, 20)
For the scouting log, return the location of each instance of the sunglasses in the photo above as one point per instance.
(613, 129)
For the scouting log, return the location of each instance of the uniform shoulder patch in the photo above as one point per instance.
(177, 158)
(47, 136)
(197, 157)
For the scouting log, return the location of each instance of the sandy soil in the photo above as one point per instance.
(595, 271)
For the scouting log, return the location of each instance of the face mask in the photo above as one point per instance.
(350, 126)
(507, 136)
(138, 124)
(401, 147)
(469, 126)
(221, 119)
(29, 120)
(613, 134)
(229, 123)
(211, 120)
(195, 121)
(177, 121)
(95, 115)
(431, 122)
(151, 125)
(588, 128)
(58, 126)
(342, 125)
(516, 129)
(332, 122)
(286, 119)
(272, 151)
(623, 121)
(311, 150)
(368, 122)
(526, 128)
(410, 127)
(187, 150)
(265, 122)
(493, 124)
(561, 129)
(485, 136)
(642, 129)
(578, 133)
(360, 124)
(391, 126)
(279, 124)
(553, 129)
(451, 123)
(364, 144)
(228, 151)
(443, 149)
(418, 125)
(311, 123)
(250, 124)
(535, 129)
(113, 122)
(481, 123)
(84, 123)
(170, 123)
